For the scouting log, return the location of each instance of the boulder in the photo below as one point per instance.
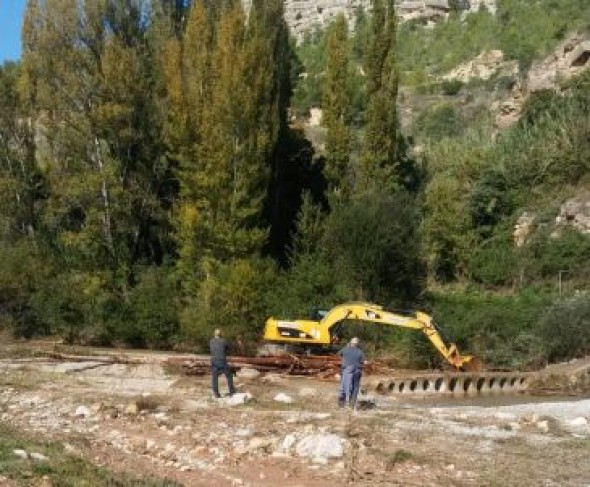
(282, 397)
(578, 426)
(320, 445)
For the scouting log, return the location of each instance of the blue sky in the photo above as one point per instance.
(11, 17)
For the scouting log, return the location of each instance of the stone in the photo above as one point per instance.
(132, 409)
(82, 412)
(282, 397)
(243, 432)
(543, 426)
(39, 457)
(21, 453)
(523, 228)
(577, 426)
(238, 399)
(320, 445)
(529, 418)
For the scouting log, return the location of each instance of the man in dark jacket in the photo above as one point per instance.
(353, 360)
(218, 347)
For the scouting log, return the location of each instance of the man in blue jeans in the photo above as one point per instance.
(353, 360)
(218, 347)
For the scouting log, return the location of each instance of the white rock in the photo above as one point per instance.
(543, 426)
(260, 443)
(21, 453)
(529, 418)
(39, 457)
(248, 374)
(320, 445)
(282, 397)
(82, 412)
(287, 443)
(581, 421)
(578, 426)
(238, 399)
(243, 432)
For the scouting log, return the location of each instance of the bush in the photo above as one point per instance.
(500, 330)
(372, 245)
(570, 252)
(494, 263)
(489, 200)
(440, 121)
(452, 87)
(565, 328)
(153, 311)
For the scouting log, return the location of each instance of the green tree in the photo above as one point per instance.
(379, 156)
(336, 106)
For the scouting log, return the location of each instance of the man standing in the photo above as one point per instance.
(353, 360)
(219, 365)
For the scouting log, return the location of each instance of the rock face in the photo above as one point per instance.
(483, 66)
(523, 228)
(575, 212)
(569, 59)
(307, 15)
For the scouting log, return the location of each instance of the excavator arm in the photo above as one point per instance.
(310, 332)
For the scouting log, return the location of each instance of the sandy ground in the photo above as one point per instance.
(139, 419)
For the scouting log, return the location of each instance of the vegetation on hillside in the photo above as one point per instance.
(153, 189)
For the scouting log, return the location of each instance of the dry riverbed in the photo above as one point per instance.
(141, 422)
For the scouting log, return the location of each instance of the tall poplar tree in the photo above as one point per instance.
(379, 156)
(337, 109)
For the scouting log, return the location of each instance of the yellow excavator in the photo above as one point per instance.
(324, 331)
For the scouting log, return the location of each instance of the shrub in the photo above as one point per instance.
(565, 328)
(494, 263)
(452, 87)
(440, 121)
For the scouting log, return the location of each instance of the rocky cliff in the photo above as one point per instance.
(307, 15)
